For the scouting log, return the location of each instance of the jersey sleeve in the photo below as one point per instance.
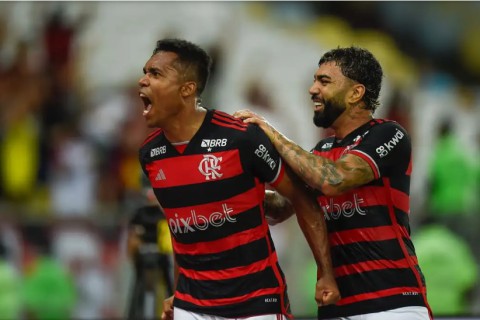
(266, 162)
(384, 147)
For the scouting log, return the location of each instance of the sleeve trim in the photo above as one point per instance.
(278, 177)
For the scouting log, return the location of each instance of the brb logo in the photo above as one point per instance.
(333, 210)
(210, 143)
(210, 167)
(197, 222)
(158, 151)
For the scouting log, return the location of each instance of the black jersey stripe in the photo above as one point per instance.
(224, 244)
(409, 247)
(402, 185)
(230, 273)
(227, 288)
(403, 219)
(189, 195)
(378, 250)
(376, 281)
(241, 255)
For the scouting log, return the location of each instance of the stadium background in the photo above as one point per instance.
(70, 126)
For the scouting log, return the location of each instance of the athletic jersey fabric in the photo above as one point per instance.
(373, 256)
(212, 196)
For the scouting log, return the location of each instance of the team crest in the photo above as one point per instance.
(210, 167)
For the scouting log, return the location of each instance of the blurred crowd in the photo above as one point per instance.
(71, 125)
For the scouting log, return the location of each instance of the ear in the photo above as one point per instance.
(356, 93)
(188, 88)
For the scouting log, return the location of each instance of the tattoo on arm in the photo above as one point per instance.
(356, 170)
(348, 172)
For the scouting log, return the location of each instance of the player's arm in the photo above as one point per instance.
(330, 177)
(277, 208)
(312, 224)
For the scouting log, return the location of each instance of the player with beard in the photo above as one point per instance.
(362, 175)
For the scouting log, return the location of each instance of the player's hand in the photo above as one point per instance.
(167, 313)
(326, 291)
(251, 117)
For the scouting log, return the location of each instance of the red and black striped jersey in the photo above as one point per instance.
(212, 195)
(373, 256)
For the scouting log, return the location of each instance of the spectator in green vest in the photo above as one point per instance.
(454, 180)
(449, 268)
(49, 292)
(9, 289)
(453, 177)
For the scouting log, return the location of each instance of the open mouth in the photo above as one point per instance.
(318, 106)
(147, 104)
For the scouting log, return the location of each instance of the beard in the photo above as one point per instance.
(331, 111)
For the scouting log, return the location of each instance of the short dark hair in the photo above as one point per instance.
(190, 57)
(360, 65)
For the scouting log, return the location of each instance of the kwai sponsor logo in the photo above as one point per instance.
(263, 154)
(194, 222)
(384, 149)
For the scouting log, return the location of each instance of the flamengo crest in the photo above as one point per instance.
(210, 167)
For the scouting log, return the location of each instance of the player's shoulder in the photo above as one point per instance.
(149, 141)
(225, 120)
(386, 124)
(384, 128)
(151, 137)
(237, 131)
(386, 131)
